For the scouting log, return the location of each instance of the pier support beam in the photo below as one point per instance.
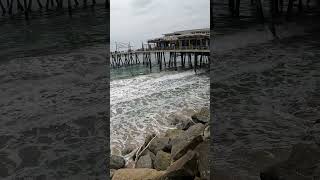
(195, 62)
(85, 3)
(237, 8)
(289, 9)
(19, 6)
(2, 8)
(26, 12)
(39, 4)
(69, 7)
(164, 59)
(107, 4)
(260, 10)
(76, 3)
(30, 6)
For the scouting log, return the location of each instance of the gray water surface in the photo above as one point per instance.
(53, 89)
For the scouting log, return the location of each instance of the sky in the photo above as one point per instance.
(136, 21)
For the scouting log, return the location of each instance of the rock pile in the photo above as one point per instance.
(181, 153)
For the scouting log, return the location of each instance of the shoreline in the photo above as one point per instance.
(171, 125)
(160, 153)
(143, 104)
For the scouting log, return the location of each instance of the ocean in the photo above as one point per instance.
(53, 95)
(263, 91)
(142, 100)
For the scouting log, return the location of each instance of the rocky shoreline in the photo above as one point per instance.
(180, 153)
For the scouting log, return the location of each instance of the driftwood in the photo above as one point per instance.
(138, 154)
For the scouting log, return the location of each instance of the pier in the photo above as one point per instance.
(190, 47)
(271, 11)
(25, 7)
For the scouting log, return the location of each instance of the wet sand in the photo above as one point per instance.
(265, 98)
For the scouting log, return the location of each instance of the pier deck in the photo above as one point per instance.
(196, 58)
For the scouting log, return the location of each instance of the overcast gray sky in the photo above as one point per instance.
(135, 21)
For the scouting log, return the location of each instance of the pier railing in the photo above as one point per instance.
(176, 48)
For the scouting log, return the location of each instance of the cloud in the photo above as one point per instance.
(140, 7)
(141, 3)
(138, 20)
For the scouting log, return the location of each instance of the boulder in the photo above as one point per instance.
(173, 133)
(137, 174)
(162, 161)
(206, 133)
(160, 143)
(184, 168)
(130, 164)
(302, 164)
(145, 162)
(182, 121)
(203, 116)
(195, 130)
(147, 151)
(112, 172)
(203, 159)
(128, 149)
(116, 162)
(187, 141)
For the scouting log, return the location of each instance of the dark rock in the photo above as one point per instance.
(127, 150)
(162, 161)
(116, 162)
(203, 159)
(145, 162)
(182, 121)
(203, 116)
(152, 155)
(160, 143)
(302, 164)
(184, 168)
(187, 141)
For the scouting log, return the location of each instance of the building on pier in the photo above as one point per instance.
(187, 39)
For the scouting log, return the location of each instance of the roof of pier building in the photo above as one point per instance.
(183, 35)
(191, 31)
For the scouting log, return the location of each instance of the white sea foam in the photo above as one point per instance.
(141, 105)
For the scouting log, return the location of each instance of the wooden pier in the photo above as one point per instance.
(193, 58)
(190, 47)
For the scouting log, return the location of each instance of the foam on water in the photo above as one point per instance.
(141, 105)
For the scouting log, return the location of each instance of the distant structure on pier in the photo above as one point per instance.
(187, 39)
(190, 47)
